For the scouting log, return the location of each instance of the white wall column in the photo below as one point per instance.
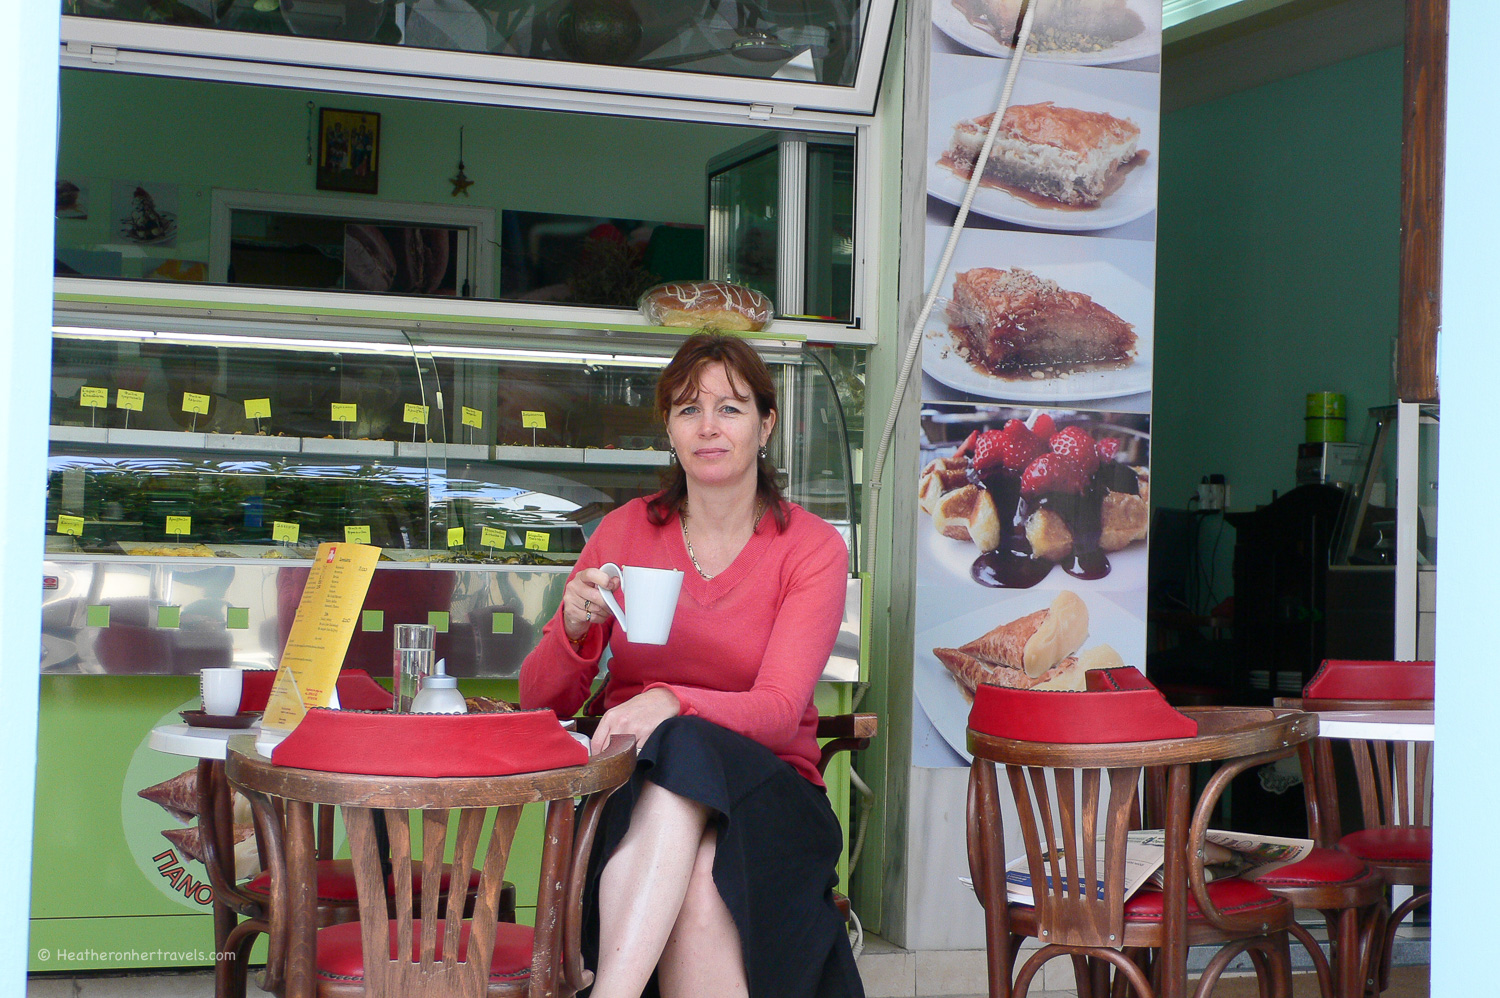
(1467, 785)
(28, 133)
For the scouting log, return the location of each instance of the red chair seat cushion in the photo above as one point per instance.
(341, 955)
(336, 882)
(1407, 844)
(1230, 895)
(1320, 868)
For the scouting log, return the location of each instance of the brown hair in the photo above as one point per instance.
(679, 383)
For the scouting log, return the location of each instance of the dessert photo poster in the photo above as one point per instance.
(1033, 474)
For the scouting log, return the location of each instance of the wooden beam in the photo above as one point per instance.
(1424, 109)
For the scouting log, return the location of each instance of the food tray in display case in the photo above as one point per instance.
(195, 466)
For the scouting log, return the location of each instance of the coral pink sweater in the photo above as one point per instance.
(746, 648)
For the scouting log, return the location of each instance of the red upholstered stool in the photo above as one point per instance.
(1407, 846)
(1351, 897)
(341, 963)
(1232, 896)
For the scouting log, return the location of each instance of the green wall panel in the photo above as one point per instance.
(1278, 254)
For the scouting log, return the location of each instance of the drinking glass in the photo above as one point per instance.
(413, 660)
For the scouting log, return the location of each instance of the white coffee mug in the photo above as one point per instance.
(652, 599)
(221, 690)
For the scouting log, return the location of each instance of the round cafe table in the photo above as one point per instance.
(1378, 725)
(216, 822)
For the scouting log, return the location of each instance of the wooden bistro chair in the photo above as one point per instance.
(407, 941)
(250, 900)
(1394, 779)
(837, 732)
(1075, 792)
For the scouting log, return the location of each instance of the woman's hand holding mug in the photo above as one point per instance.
(583, 605)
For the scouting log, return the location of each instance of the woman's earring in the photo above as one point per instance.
(763, 452)
(671, 455)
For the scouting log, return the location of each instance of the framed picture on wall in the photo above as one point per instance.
(348, 151)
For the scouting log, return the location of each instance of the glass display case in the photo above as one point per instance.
(196, 464)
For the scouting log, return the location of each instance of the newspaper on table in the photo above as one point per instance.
(1226, 854)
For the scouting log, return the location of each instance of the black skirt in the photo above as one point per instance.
(774, 864)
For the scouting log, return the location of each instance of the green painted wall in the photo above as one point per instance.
(206, 135)
(1276, 273)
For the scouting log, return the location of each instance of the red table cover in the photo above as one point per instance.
(381, 744)
(1349, 679)
(1120, 705)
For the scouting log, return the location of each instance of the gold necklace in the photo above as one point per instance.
(760, 510)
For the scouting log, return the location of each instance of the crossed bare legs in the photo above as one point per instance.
(659, 908)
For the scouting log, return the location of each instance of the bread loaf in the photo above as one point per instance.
(698, 304)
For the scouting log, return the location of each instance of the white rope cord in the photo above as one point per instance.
(944, 263)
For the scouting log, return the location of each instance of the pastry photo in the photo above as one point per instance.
(1080, 32)
(1050, 155)
(1015, 498)
(1032, 317)
(1039, 639)
(1073, 152)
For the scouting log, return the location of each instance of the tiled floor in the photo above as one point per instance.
(888, 972)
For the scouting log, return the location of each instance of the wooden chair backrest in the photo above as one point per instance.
(401, 975)
(1064, 813)
(435, 803)
(1394, 776)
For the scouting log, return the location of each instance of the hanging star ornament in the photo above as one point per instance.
(460, 180)
(461, 183)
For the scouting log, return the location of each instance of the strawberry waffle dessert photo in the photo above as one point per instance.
(1030, 491)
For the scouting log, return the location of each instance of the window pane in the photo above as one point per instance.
(816, 41)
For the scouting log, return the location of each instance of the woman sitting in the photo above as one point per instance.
(714, 868)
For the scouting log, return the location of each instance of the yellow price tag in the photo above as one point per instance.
(455, 537)
(283, 531)
(179, 525)
(345, 412)
(533, 420)
(492, 537)
(257, 408)
(359, 534)
(414, 413)
(94, 398)
(193, 402)
(127, 399)
(536, 540)
(70, 525)
(472, 417)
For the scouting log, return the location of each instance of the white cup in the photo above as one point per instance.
(221, 690)
(652, 599)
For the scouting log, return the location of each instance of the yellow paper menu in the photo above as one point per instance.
(320, 633)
